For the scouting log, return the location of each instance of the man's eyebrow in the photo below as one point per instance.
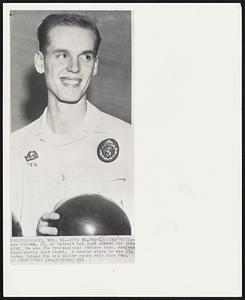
(87, 52)
(66, 51)
(60, 50)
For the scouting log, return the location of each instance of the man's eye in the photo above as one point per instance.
(86, 57)
(62, 56)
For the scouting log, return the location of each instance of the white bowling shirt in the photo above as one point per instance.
(47, 168)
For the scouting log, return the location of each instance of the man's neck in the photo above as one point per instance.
(63, 118)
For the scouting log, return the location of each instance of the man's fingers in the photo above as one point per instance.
(48, 230)
(42, 223)
(50, 216)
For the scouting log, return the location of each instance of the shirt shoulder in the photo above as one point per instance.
(110, 123)
(21, 136)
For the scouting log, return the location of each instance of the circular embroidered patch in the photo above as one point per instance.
(108, 150)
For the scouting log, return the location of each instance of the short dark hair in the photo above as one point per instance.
(69, 20)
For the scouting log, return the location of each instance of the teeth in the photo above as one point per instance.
(71, 81)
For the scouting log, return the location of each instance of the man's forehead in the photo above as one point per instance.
(71, 33)
(70, 29)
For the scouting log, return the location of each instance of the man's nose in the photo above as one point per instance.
(73, 65)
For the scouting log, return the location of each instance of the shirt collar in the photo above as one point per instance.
(89, 124)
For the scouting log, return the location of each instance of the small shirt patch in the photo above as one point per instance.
(31, 155)
(108, 150)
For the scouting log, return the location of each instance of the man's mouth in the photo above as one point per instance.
(70, 82)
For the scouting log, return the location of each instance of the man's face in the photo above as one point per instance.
(69, 62)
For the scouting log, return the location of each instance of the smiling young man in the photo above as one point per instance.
(73, 148)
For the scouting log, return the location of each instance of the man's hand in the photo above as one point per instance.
(43, 227)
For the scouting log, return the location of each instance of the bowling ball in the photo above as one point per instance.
(91, 214)
(16, 228)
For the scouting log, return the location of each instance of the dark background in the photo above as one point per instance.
(110, 89)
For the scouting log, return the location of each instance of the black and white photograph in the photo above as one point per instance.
(122, 150)
(71, 122)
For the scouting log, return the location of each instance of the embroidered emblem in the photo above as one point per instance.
(108, 150)
(31, 155)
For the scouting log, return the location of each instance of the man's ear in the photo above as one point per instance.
(96, 64)
(39, 62)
